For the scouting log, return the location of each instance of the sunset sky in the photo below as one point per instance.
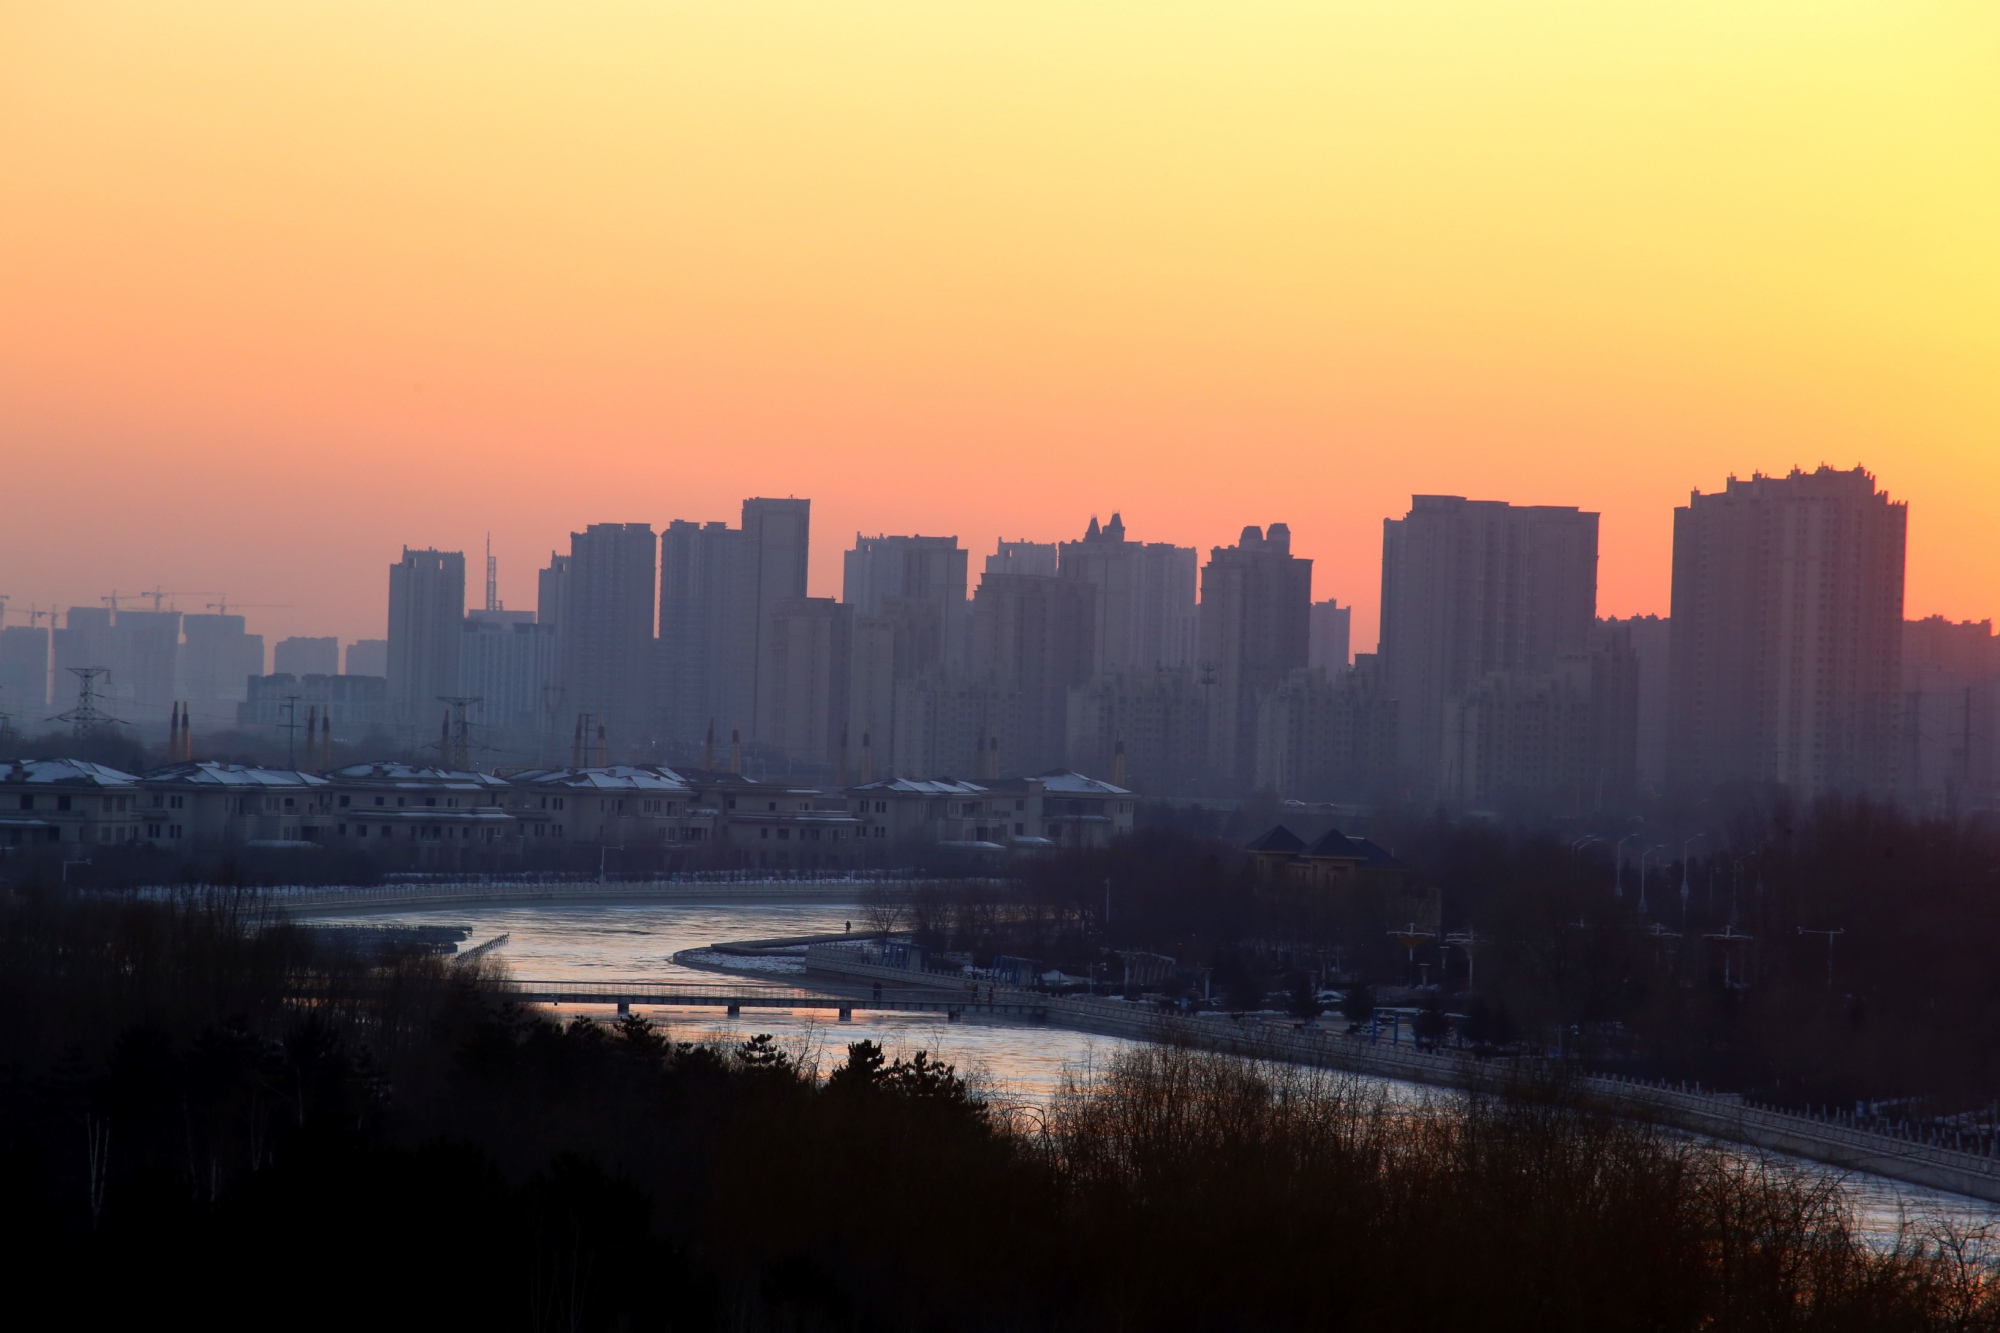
(285, 286)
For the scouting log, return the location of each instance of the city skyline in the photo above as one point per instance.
(1358, 590)
(1354, 255)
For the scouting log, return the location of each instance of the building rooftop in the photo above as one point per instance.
(209, 773)
(922, 787)
(392, 773)
(72, 772)
(613, 777)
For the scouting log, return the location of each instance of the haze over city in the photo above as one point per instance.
(806, 668)
(468, 269)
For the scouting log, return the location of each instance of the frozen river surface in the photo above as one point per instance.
(1008, 1061)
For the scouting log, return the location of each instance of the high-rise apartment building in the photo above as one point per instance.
(1256, 599)
(931, 570)
(1023, 557)
(605, 651)
(807, 679)
(426, 615)
(1564, 738)
(1155, 716)
(1471, 588)
(1326, 735)
(953, 728)
(306, 657)
(707, 622)
(1328, 645)
(1950, 703)
(24, 675)
(776, 536)
(1787, 634)
(218, 661)
(1652, 648)
(1034, 636)
(364, 657)
(1145, 596)
(550, 584)
(507, 661)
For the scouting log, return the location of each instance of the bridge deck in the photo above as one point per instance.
(663, 994)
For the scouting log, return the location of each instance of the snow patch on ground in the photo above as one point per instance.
(762, 964)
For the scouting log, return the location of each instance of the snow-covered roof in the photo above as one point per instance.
(923, 787)
(1066, 782)
(209, 773)
(615, 777)
(72, 772)
(394, 774)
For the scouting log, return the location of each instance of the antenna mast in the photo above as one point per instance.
(492, 577)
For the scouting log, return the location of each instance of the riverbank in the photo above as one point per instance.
(1719, 1116)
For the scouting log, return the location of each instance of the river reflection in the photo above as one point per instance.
(1012, 1062)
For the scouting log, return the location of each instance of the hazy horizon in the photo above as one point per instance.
(289, 290)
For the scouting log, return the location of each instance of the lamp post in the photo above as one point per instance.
(1618, 864)
(1807, 930)
(1685, 844)
(1656, 847)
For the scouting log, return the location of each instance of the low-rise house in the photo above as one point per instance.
(1332, 860)
(900, 812)
(211, 803)
(71, 801)
(1055, 809)
(388, 805)
(1067, 808)
(620, 805)
(766, 826)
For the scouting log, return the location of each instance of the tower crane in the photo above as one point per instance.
(222, 607)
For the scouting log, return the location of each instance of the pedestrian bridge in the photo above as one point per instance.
(734, 999)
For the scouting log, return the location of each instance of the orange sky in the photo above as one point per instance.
(283, 287)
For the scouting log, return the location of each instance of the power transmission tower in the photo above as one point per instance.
(87, 718)
(291, 728)
(455, 746)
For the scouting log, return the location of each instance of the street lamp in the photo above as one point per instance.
(1807, 930)
(1656, 847)
(1685, 844)
(1618, 865)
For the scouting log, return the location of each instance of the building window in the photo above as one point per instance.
(881, 831)
(62, 802)
(173, 830)
(1020, 829)
(174, 802)
(557, 804)
(430, 800)
(763, 833)
(152, 830)
(288, 803)
(27, 802)
(343, 802)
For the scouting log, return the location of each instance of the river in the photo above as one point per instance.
(1014, 1062)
